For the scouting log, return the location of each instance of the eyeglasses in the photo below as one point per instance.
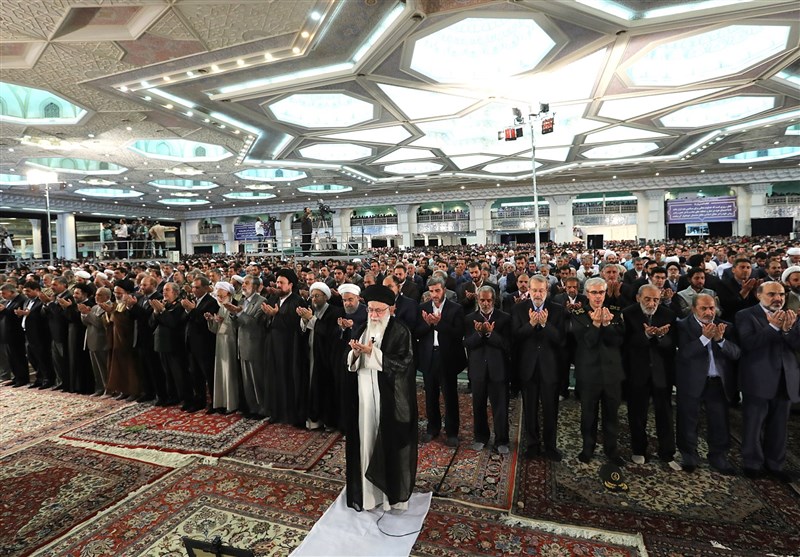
(377, 311)
(595, 292)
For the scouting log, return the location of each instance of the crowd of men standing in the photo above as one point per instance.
(271, 342)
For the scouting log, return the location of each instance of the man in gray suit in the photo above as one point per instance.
(249, 321)
(706, 356)
(94, 318)
(769, 379)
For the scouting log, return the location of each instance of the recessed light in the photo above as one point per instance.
(128, 128)
(91, 135)
(776, 142)
(123, 89)
(206, 120)
(702, 171)
(148, 98)
(315, 16)
(145, 84)
(267, 56)
(167, 78)
(189, 113)
(296, 50)
(658, 173)
(304, 34)
(240, 62)
(614, 177)
(168, 106)
(190, 73)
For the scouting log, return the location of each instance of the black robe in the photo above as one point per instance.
(322, 402)
(393, 466)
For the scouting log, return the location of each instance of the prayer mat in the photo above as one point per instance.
(285, 446)
(50, 487)
(30, 415)
(705, 507)
(169, 429)
(270, 511)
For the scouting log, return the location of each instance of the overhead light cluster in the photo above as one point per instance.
(248, 142)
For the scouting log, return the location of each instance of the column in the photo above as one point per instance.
(36, 237)
(283, 233)
(561, 221)
(65, 236)
(341, 227)
(758, 202)
(650, 214)
(479, 221)
(188, 229)
(228, 237)
(404, 224)
(743, 201)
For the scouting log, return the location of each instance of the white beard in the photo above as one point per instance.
(375, 329)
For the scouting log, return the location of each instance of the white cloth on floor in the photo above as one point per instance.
(343, 531)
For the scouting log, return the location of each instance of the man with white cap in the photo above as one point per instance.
(791, 279)
(793, 256)
(82, 277)
(320, 323)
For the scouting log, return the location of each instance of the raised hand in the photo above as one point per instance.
(789, 320)
(84, 309)
(709, 330)
(233, 308)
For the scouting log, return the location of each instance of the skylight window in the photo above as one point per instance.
(336, 152)
(390, 135)
(271, 174)
(762, 155)
(108, 193)
(323, 110)
(405, 154)
(183, 184)
(624, 109)
(620, 150)
(620, 133)
(417, 104)
(510, 167)
(413, 167)
(324, 188)
(245, 195)
(179, 150)
(28, 105)
(183, 201)
(76, 166)
(718, 111)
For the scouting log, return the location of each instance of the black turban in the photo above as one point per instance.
(289, 274)
(379, 293)
(126, 284)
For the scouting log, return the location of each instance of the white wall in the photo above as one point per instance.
(618, 232)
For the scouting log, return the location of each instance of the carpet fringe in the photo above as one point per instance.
(152, 456)
(629, 540)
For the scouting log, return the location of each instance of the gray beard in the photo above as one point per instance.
(349, 311)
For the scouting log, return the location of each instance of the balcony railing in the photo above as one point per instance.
(783, 200)
(371, 221)
(442, 217)
(517, 213)
(604, 210)
(211, 238)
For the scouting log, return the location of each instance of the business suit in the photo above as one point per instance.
(769, 379)
(169, 342)
(539, 349)
(251, 336)
(59, 340)
(406, 311)
(598, 377)
(80, 377)
(567, 356)
(12, 339)
(151, 374)
(487, 369)
(470, 305)
(98, 345)
(411, 290)
(37, 343)
(201, 345)
(440, 363)
(649, 365)
(696, 386)
(730, 298)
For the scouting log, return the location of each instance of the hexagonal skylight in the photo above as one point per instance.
(183, 201)
(323, 110)
(620, 150)
(183, 184)
(762, 155)
(108, 193)
(180, 150)
(271, 174)
(259, 187)
(324, 188)
(718, 111)
(620, 133)
(510, 167)
(336, 151)
(28, 105)
(623, 109)
(479, 49)
(793, 130)
(389, 134)
(417, 104)
(76, 166)
(405, 154)
(245, 195)
(467, 161)
(413, 167)
(705, 56)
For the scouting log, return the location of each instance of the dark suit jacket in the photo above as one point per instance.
(199, 338)
(648, 359)
(141, 313)
(562, 300)
(692, 362)
(170, 329)
(10, 324)
(488, 355)
(470, 305)
(731, 300)
(406, 311)
(598, 360)
(412, 291)
(451, 336)
(765, 354)
(37, 331)
(538, 347)
(57, 319)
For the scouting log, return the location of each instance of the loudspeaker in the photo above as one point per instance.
(594, 241)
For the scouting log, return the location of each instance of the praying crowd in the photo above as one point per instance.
(705, 326)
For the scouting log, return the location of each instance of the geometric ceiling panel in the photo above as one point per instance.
(112, 23)
(108, 193)
(620, 133)
(510, 167)
(20, 55)
(405, 154)
(474, 50)
(762, 155)
(710, 55)
(390, 135)
(569, 122)
(574, 81)
(717, 111)
(624, 109)
(336, 151)
(245, 195)
(620, 150)
(183, 201)
(323, 110)
(417, 104)
(183, 184)
(27, 105)
(324, 188)
(179, 150)
(412, 167)
(76, 166)
(271, 174)
(467, 161)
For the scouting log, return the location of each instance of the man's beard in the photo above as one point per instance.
(648, 312)
(119, 299)
(350, 310)
(377, 327)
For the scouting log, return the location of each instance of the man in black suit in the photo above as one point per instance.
(407, 287)
(467, 291)
(570, 300)
(59, 331)
(769, 379)
(168, 321)
(649, 353)
(487, 338)
(599, 333)
(200, 342)
(405, 309)
(37, 335)
(538, 329)
(306, 229)
(12, 336)
(521, 294)
(737, 291)
(440, 335)
(80, 366)
(152, 377)
(706, 356)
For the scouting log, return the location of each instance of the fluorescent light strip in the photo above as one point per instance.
(522, 204)
(171, 97)
(611, 8)
(379, 32)
(358, 173)
(690, 7)
(237, 123)
(314, 72)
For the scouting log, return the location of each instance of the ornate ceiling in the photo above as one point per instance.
(163, 106)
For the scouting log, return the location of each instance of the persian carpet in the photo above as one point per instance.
(478, 477)
(29, 415)
(168, 429)
(50, 487)
(270, 511)
(284, 446)
(673, 509)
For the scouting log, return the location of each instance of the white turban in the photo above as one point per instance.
(238, 278)
(672, 259)
(83, 274)
(348, 288)
(221, 285)
(789, 271)
(793, 251)
(322, 287)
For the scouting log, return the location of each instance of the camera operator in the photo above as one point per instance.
(306, 228)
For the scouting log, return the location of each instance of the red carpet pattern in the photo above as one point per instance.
(705, 508)
(270, 511)
(50, 487)
(169, 429)
(285, 446)
(30, 415)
